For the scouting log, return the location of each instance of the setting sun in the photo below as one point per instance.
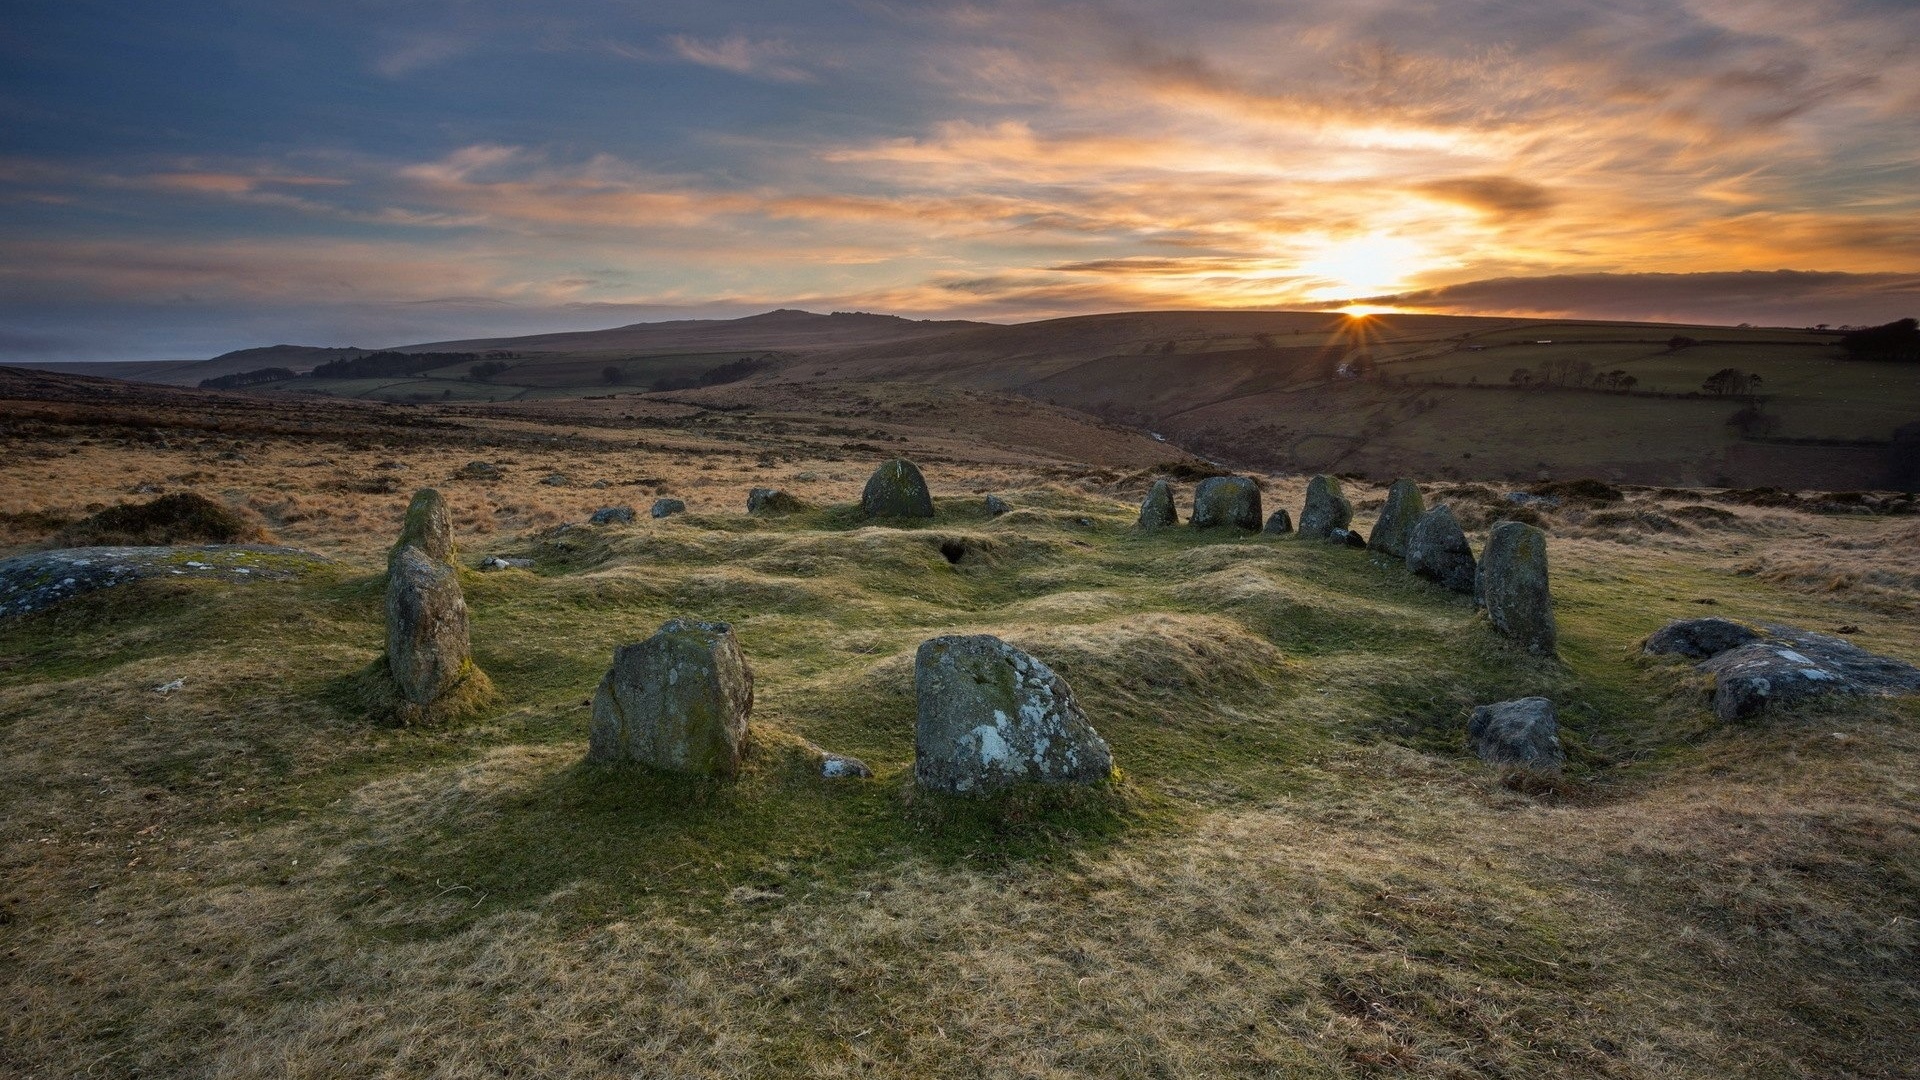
(1361, 265)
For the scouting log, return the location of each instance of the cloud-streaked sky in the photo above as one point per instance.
(181, 178)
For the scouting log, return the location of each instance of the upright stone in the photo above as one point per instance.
(1326, 509)
(677, 701)
(426, 628)
(1437, 550)
(1397, 519)
(991, 716)
(1514, 569)
(1522, 733)
(428, 526)
(1156, 510)
(897, 490)
(1279, 523)
(1226, 500)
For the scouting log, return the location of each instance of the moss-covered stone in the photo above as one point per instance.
(1397, 519)
(1514, 584)
(1156, 510)
(990, 716)
(427, 642)
(1326, 509)
(428, 526)
(1226, 501)
(897, 490)
(1438, 551)
(770, 501)
(678, 701)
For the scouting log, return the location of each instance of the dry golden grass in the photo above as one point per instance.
(1301, 873)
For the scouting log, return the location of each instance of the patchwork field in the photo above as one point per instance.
(1300, 871)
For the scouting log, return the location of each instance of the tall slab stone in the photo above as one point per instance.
(1326, 509)
(1514, 581)
(1397, 518)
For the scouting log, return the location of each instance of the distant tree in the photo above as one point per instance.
(247, 378)
(1751, 422)
(613, 375)
(1521, 377)
(1898, 340)
(1731, 382)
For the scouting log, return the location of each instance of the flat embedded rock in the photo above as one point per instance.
(1698, 638)
(1790, 666)
(772, 501)
(669, 507)
(991, 716)
(1326, 509)
(612, 515)
(677, 701)
(37, 581)
(1523, 733)
(1226, 500)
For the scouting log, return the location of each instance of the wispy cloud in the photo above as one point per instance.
(761, 59)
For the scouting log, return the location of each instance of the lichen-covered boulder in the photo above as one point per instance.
(1226, 500)
(1514, 583)
(1326, 509)
(1438, 551)
(427, 649)
(772, 501)
(897, 490)
(1522, 734)
(991, 716)
(428, 526)
(667, 508)
(1392, 532)
(1789, 666)
(612, 515)
(1279, 523)
(677, 701)
(1698, 638)
(1156, 510)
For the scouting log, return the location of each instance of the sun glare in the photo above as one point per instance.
(1359, 265)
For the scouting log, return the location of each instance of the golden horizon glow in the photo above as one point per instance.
(1376, 262)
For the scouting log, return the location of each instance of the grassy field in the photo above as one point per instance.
(1300, 872)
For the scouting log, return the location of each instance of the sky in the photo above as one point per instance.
(182, 178)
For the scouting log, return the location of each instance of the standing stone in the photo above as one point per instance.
(1523, 733)
(996, 506)
(990, 716)
(426, 628)
(1279, 524)
(677, 701)
(1397, 519)
(1156, 510)
(1226, 500)
(772, 501)
(1437, 550)
(1514, 571)
(428, 526)
(897, 490)
(668, 508)
(1326, 509)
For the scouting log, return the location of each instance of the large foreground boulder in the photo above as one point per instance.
(1521, 734)
(1394, 530)
(1438, 551)
(1698, 638)
(1226, 500)
(897, 490)
(1514, 569)
(427, 648)
(1789, 666)
(677, 701)
(991, 716)
(1326, 509)
(1156, 510)
(428, 526)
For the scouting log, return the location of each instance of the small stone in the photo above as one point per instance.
(1326, 509)
(1279, 523)
(669, 507)
(555, 480)
(897, 490)
(1156, 510)
(677, 701)
(1698, 638)
(598, 484)
(772, 501)
(997, 506)
(1226, 500)
(612, 515)
(479, 470)
(1438, 551)
(1348, 538)
(991, 716)
(1397, 519)
(1522, 733)
(1514, 581)
(426, 627)
(841, 767)
(1528, 499)
(428, 526)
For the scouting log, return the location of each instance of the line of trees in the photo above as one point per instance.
(241, 379)
(1566, 371)
(388, 364)
(1898, 340)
